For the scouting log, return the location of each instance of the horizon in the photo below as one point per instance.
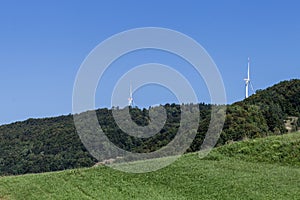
(141, 108)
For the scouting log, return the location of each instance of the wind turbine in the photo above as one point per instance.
(130, 99)
(247, 81)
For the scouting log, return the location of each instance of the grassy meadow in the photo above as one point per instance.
(265, 168)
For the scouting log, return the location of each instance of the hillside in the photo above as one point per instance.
(278, 102)
(281, 150)
(52, 144)
(222, 175)
(40, 145)
(262, 114)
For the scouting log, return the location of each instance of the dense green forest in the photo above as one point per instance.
(51, 144)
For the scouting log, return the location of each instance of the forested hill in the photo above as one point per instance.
(50, 144)
(278, 102)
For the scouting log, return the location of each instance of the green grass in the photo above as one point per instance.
(220, 176)
(283, 150)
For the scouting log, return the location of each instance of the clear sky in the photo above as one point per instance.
(43, 43)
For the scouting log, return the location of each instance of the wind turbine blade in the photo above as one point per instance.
(248, 68)
(130, 88)
(130, 99)
(252, 87)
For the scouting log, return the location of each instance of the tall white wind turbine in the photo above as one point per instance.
(130, 99)
(247, 80)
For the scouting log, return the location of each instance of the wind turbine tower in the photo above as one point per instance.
(247, 80)
(130, 99)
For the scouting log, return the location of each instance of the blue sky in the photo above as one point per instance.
(43, 43)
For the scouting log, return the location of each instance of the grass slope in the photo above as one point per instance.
(220, 176)
(283, 150)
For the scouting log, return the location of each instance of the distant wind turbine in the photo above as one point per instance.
(130, 99)
(248, 82)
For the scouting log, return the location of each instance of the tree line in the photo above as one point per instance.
(51, 144)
